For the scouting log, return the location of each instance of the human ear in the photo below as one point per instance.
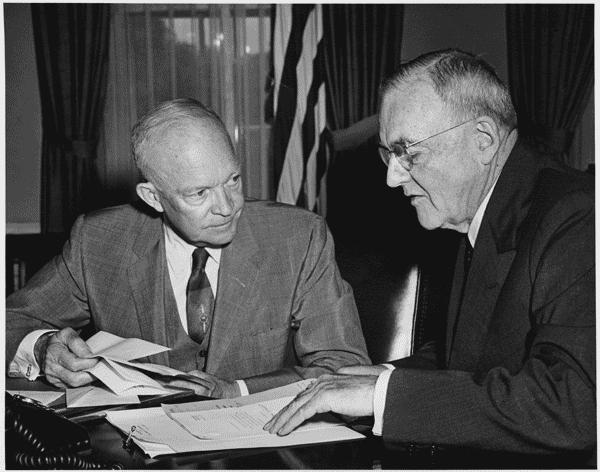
(149, 193)
(487, 138)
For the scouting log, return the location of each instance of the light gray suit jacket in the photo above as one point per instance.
(282, 310)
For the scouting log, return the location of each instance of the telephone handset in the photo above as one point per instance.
(38, 437)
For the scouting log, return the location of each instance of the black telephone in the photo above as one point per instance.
(38, 437)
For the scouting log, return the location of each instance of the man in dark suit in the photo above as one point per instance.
(247, 295)
(517, 372)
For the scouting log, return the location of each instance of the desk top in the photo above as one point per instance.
(369, 453)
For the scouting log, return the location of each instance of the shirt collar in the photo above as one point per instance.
(476, 222)
(176, 245)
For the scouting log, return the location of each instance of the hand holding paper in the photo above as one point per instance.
(64, 358)
(115, 369)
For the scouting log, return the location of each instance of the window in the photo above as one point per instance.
(218, 54)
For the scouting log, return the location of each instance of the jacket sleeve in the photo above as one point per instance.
(54, 298)
(549, 404)
(326, 332)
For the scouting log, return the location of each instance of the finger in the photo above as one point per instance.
(198, 374)
(56, 382)
(198, 388)
(275, 423)
(361, 370)
(299, 415)
(78, 346)
(298, 400)
(68, 378)
(59, 354)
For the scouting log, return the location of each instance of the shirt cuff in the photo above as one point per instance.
(24, 363)
(379, 399)
(243, 388)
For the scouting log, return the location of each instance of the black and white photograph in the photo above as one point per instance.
(299, 236)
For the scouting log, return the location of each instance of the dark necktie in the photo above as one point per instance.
(200, 299)
(466, 266)
(468, 255)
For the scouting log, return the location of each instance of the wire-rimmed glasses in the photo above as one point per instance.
(400, 151)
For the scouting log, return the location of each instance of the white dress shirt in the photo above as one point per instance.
(383, 379)
(179, 262)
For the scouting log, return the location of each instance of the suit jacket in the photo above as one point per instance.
(282, 311)
(518, 367)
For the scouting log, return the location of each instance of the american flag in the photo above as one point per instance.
(299, 144)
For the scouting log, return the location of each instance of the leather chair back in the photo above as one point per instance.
(387, 304)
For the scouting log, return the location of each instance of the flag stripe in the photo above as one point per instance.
(286, 101)
(300, 113)
(313, 125)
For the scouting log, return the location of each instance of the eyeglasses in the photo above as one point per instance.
(400, 152)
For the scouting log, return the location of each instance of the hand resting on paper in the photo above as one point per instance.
(208, 385)
(61, 356)
(349, 395)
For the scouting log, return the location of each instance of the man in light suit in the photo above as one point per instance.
(517, 371)
(268, 306)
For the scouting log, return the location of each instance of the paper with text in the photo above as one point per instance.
(241, 422)
(290, 390)
(234, 424)
(157, 434)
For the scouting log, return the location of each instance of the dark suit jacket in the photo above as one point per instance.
(282, 311)
(518, 369)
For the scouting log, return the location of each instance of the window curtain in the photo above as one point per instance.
(217, 54)
(362, 46)
(71, 43)
(551, 68)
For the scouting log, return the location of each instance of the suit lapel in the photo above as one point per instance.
(486, 277)
(238, 273)
(454, 302)
(494, 253)
(146, 280)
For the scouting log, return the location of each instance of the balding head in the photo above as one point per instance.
(166, 124)
(466, 84)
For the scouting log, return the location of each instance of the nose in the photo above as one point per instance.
(223, 204)
(396, 174)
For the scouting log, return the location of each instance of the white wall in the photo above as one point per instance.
(23, 121)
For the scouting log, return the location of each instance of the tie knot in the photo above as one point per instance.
(199, 257)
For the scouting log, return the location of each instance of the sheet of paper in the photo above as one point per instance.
(290, 390)
(96, 396)
(158, 369)
(157, 434)
(123, 379)
(43, 397)
(114, 347)
(241, 422)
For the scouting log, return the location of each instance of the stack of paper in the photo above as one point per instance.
(224, 424)
(125, 380)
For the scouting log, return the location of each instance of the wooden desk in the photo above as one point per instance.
(368, 453)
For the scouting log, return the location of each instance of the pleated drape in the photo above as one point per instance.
(551, 69)
(362, 46)
(71, 43)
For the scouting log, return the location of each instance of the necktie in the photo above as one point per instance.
(200, 299)
(466, 266)
(468, 256)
